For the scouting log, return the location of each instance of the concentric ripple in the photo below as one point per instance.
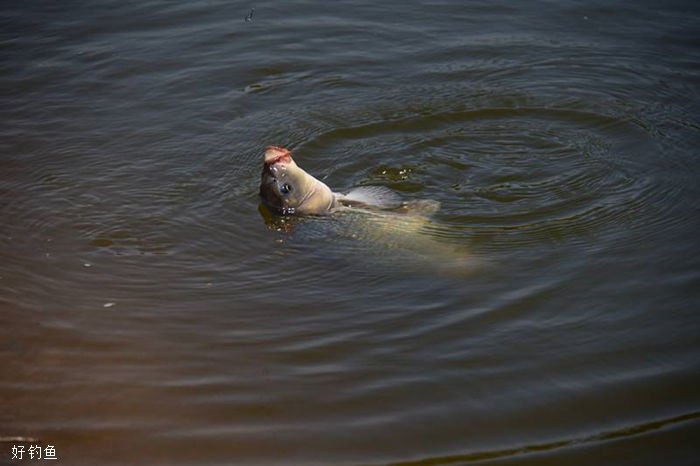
(508, 170)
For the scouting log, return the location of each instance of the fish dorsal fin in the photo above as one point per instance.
(373, 196)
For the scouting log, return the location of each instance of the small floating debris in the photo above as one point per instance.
(109, 304)
(250, 15)
(255, 87)
(87, 264)
(102, 242)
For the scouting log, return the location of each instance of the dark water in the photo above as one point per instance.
(149, 315)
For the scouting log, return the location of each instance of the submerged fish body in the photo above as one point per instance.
(372, 215)
(403, 241)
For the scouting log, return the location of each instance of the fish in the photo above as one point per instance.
(373, 215)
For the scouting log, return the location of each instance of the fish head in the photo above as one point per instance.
(288, 189)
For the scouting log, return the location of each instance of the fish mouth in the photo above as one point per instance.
(275, 154)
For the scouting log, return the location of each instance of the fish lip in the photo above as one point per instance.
(275, 154)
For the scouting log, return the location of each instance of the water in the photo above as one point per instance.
(149, 314)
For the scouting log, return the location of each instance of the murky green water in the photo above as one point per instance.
(150, 314)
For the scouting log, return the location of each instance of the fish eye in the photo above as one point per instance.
(285, 188)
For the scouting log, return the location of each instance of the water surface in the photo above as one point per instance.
(149, 314)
